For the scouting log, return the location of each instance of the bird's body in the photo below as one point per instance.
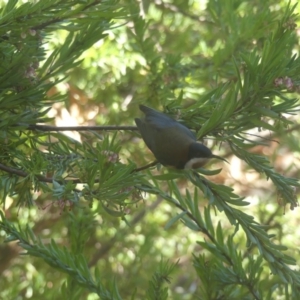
(172, 143)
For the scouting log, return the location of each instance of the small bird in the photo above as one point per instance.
(172, 143)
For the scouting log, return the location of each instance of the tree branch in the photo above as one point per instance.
(79, 128)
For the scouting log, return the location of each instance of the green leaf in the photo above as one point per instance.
(174, 220)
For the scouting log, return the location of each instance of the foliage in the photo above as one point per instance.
(227, 69)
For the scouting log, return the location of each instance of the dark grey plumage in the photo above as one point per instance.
(172, 143)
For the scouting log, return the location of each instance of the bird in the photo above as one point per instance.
(172, 143)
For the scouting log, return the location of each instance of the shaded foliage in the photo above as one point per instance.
(92, 222)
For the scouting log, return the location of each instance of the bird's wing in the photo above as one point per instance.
(161, 121)
(156, 118)
(171, 147)
(146, 132)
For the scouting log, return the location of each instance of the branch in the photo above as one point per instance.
(51, 179)
(146, 166)
(39, 177)
(58, 20)
(78, 128)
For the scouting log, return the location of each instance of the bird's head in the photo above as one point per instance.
(198, 156)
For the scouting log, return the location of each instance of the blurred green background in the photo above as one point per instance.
(168, 55)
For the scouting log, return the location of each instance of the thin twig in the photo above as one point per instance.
(78, 128)
(145, 167)
(39, 177)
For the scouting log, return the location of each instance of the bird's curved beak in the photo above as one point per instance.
(219, 157)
